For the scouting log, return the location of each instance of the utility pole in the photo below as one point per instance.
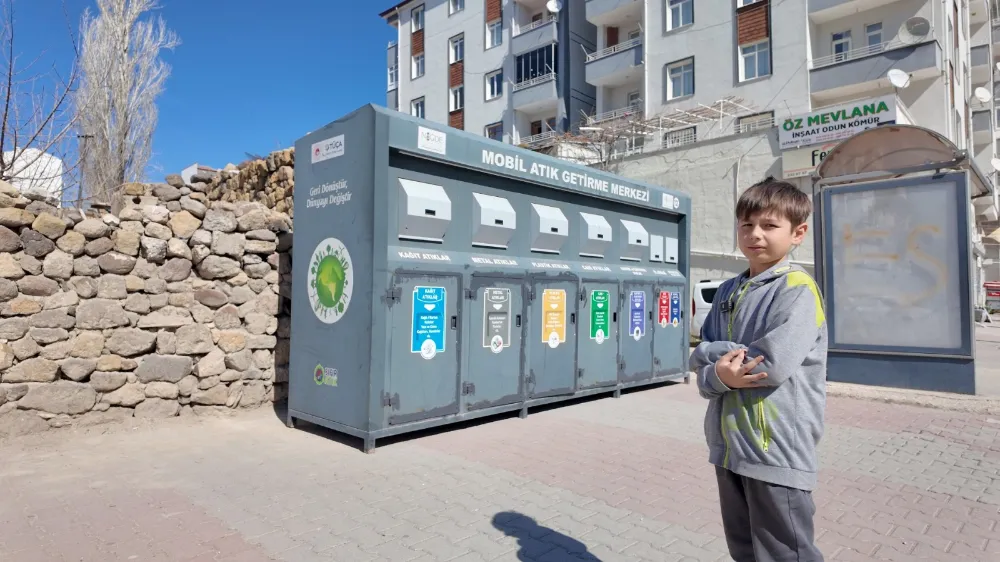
(83, 168)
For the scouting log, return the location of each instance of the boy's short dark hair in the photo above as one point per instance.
(771, 195)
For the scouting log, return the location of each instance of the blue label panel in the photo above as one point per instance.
(637, 314)
(675, 308)
(429, 304)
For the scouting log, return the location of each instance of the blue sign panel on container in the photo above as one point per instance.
(637, 314)
(429, 304)
(675, 308)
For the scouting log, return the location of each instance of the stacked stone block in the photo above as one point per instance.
(178, 304)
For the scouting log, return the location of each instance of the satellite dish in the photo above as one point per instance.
(995, 162)
(914, 30)
(898, 78)
(982, 94)
(553, 6)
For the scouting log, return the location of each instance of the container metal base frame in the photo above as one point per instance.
(369, 437)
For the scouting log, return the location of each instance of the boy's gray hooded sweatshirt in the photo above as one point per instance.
(768, 432)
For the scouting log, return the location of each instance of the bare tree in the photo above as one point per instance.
(37, 151)
(116, 104)
(599, 144)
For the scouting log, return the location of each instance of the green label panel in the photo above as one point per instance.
(599, 315)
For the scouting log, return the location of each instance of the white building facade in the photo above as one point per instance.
(704, 95)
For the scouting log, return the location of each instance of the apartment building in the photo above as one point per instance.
(509, 70)
(698, 94)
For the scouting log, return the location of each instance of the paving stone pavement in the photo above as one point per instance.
(605, 479)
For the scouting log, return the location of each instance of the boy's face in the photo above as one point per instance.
(767, 237)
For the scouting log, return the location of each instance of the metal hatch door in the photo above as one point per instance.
(668, 332)
(424, 347)
(598, 335)
(552, 337)
(636, 341)
(495, 351)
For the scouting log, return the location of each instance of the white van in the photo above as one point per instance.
(701, 303)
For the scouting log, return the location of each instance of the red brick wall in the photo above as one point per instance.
(493, 10)
(753, 23)
(417, 42)
(456, 119)
(456, 74)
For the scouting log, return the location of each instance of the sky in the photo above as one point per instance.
(249, 75)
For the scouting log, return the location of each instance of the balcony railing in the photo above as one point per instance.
(539, 138)
(861, 52)
(754, 124)
(628, 111)
(534, 81)
(533, 25)
(614, 49)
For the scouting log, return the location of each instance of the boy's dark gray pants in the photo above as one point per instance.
(765, 522)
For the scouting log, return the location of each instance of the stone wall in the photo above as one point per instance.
(177, 305)
(269, 181)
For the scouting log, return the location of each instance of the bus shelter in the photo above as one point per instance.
(898, 256)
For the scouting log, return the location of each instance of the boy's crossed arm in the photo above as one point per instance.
(791, 329)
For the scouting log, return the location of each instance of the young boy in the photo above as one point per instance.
(762, 366)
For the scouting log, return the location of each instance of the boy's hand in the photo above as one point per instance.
(734, 373)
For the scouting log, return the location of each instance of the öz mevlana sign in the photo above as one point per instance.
(837, 122)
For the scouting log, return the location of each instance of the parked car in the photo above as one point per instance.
(701, 302)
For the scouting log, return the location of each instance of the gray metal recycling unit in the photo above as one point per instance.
(441, 276)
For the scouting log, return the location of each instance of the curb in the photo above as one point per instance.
(987, 405)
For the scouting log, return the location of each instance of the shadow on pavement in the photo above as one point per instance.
(539, 542)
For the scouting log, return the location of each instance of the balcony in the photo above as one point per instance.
(617, 65)
(822, 11)
(534, 35)
(634, 111)
(861, 71)
(611, 12)
(537, 140)
(536, 94)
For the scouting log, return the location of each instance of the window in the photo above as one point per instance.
(841, 45)
(417, 19)
(456, 49)
(456, 98)
(495, 131)
(679, 137)
(634, 98)
(681, 13)
(494, 85)
(539, 62)
(634, 34)
(550, 123)
(873, 32)
(393, 76)
(740, 4)
(754, 122)
(680, 79)
(494, 34)
(634, 144)
(417, 108)
(755, 60)
(417, 68)
(455, 6)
